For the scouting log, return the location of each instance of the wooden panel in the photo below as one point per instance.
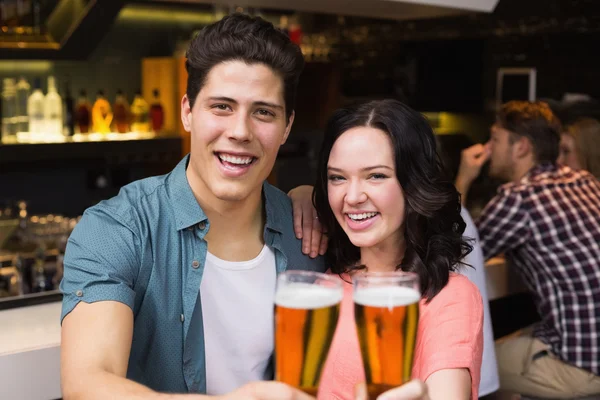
(161, 74)
(181, 88)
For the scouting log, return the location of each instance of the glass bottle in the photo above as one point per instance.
(83, 113)
(101, 114)
(23, 93)
(157, 112)
(140, 114)
(53, 110)
(35, 111)
(69, 107)
(121, 113)
(9, 108)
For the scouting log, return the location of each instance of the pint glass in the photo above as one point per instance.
(307, 306)
(386, 311)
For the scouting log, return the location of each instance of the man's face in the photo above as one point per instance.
(237, 125)
(501, 159)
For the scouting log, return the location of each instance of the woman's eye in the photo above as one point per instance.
(378, 176)
(335, 178)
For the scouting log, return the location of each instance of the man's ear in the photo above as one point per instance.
(288, 128)
(186, 113)
(523, 147)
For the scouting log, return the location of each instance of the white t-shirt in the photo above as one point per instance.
(490, 381)
(237, 312)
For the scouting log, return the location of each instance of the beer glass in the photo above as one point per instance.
(307, 306)
(386, 311)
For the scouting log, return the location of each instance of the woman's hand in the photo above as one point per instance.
(306, 224)
(413, 390)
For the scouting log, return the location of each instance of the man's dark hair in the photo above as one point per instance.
(535, 121)
(253, 40)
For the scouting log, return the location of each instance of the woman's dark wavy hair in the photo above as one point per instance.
(433, 226)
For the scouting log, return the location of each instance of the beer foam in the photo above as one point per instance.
(307, 296)
(386, 296)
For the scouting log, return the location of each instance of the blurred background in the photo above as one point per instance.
(91, 91)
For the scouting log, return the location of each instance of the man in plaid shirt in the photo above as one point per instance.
(546, 221)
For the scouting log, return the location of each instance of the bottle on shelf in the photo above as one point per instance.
(69, 108)
(157, 112)
(121, 113)
(140, 114)
(23, 93)
(102, 115)
(9, 108)
(53, 110)
(35, 111)
(83, 113)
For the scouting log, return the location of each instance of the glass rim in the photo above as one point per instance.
(315, 274)
(390, 276)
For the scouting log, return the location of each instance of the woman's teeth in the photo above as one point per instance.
(363, 216)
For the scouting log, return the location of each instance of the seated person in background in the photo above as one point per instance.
(382, 197)
(546, 221)
(580, 146)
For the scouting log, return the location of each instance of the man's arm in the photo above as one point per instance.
(503, 224)
(471, 161)
(95, 345)
(96, 340)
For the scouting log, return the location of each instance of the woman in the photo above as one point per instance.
(580, 146)
(382, 199)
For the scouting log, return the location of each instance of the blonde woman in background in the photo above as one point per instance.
(580, 146)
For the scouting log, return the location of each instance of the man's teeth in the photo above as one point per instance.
(358, 217)
(235, 160)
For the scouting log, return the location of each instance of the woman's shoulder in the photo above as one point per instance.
(460, 293)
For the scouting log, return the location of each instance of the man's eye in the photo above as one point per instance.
(265, 113)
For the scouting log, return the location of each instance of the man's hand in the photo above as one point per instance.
(266, 391)
(471, 161)
(306, 224)
(413, 390)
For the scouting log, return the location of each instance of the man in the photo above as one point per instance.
(168, 287)
(546, 221)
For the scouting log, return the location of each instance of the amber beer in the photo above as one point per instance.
(307, 306)
(386, 311)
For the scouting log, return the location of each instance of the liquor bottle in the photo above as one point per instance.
(69, 107)
(23, 92)
(121, 113)
(157, 112)
(139, 113)
(53, 110)
(9, 108)
(35, 111)
(101, 114)
(83, 113)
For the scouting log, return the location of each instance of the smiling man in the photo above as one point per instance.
(168, 287)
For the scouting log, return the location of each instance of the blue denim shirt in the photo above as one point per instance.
(145, 248)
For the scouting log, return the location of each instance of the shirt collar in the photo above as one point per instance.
(188, 212)
(537, 170)
(185, 206)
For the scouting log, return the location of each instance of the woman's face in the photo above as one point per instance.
(364, 193)
(568, 152)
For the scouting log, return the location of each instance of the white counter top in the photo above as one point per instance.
(30, 352)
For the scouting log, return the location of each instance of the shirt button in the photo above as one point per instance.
(202, 225)
(79, 293)
(195, 264)
(182, 318)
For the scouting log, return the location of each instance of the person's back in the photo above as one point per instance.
(557, 229)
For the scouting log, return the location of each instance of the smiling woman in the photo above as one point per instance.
(387, 205)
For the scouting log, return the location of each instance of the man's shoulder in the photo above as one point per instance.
(131, 197)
